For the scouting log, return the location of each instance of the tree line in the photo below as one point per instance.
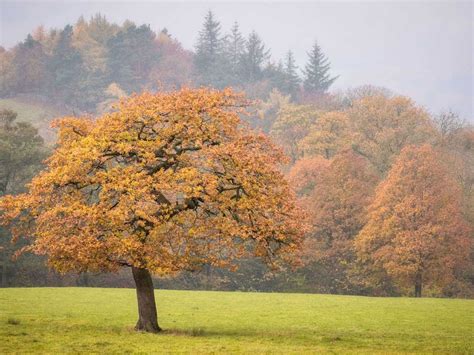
(84, 65)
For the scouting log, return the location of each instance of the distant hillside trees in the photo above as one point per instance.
(75, 65)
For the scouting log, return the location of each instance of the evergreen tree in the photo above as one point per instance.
(275, 73)
(235, 46)
(66, 67)
(316, 74)
(209, 58)
(292, 80)
(132, 54)
(253, 58)
(29, 63)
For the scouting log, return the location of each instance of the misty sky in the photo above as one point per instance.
(420, 49)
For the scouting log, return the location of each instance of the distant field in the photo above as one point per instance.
(38, 114)
(56, 320)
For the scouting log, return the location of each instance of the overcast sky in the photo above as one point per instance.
(420, 49)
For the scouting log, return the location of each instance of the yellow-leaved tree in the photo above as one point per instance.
(416, 232)
(382, 126)
(168, 182)
(328, 136)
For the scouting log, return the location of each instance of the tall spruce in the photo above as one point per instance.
(292, 80)
(209, 59)
(316, 73)
(254, 57)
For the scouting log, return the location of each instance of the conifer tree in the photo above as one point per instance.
(132, 54)
(66, 67)
(292, 80)
(235, 45)
(254, 57)
(316, 73)
(209, 58)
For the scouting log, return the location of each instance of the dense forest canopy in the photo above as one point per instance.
(387, 186)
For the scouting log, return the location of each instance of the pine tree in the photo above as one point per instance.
(235, 46)
(317, 78)
(66, 67)
(132, 54)
(275, 73)
(209, 58)
(254, 57)
(292, 80)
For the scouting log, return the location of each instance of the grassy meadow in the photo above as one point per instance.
(57, 320)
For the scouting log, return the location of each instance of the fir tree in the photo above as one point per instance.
(209, 58)
(292, 80)
(254, 57)
(235, 46)
(132, 54)
(316, 74)
(66, 67)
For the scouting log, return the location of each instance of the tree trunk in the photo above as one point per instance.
(147, 315)
(418, 284)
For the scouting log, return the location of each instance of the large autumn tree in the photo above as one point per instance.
(415, 230)
(168, 182)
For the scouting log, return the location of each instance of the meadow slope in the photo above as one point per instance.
(101, 320)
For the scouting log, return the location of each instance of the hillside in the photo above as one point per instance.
(56, 320)
(38, 114)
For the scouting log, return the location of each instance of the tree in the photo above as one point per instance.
(291, 126)
(169, 182)
(21, 152)
(328, 136)
(132, 55)
(382, 126)
(174, 69)
(267, 110)
(29, 67)
(316, 73)
(337, 206)
(66, 67)
(235, 45)
(415, 229)
(306, 174)
(209, 58)
(292, 80)
(254, 57)
(90, 38)
(21, 155)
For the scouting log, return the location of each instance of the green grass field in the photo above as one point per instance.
(98, 320)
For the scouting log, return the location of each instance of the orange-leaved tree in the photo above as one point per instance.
(337, 208)
(168, 182)
(415, 229)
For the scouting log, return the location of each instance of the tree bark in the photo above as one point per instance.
(418, 284)
(147, 315)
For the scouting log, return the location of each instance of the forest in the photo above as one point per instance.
(384, 189)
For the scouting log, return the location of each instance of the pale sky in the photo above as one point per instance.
(421, 49)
